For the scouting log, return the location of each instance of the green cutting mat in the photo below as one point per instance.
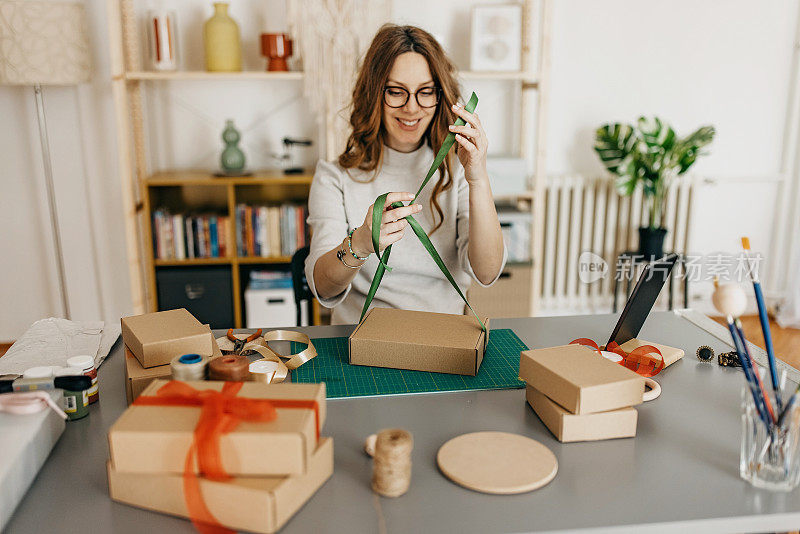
(499, 370)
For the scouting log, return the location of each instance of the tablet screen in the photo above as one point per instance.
(642, 299)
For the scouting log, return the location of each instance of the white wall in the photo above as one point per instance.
(691, 62)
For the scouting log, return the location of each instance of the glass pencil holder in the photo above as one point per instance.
(770, 452)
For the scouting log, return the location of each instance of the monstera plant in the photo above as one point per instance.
(652, 154)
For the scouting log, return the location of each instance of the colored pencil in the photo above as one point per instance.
(764, 320)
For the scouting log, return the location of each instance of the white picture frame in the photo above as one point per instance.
(496, 38)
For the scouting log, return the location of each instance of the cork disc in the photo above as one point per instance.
(497, 462)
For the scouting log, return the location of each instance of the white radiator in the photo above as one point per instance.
(586, 214)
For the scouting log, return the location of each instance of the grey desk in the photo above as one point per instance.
(679, 474)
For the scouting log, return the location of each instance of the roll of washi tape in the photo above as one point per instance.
(268, 370)
(189, 367)
(229, 368)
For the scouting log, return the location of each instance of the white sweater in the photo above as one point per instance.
(338, 202)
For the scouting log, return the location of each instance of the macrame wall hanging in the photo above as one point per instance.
(331, 37)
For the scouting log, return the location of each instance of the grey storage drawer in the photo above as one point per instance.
(206, 291)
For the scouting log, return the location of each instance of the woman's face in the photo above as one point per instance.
(406, 125)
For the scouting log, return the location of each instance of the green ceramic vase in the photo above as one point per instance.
(223, 42)
(232, 159)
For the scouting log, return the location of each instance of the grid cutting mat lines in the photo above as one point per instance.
(499, 370)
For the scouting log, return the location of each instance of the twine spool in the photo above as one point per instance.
(189, 367)
(391, 465)
(229, 368)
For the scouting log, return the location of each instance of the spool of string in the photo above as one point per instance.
(189, 367)
(229, 368)
(391, 464)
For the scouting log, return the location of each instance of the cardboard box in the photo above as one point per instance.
(250, 504)
(419, 341)
(25, 443)
(670, 354)
(567, 427)
(155, 439)
(137, 377)
(156, 338)
(581, 380)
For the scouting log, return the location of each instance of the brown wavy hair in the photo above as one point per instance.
(364, 148)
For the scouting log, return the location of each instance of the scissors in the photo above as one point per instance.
(238, 344)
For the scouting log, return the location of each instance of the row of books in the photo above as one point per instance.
(270, 230)
(180, 236)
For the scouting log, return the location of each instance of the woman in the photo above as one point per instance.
(404, 104)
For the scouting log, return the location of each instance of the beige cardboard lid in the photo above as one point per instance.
(580, 366)
(420, 328)
(161, 326)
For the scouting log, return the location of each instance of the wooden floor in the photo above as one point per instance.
(4, 347)
(785, 341)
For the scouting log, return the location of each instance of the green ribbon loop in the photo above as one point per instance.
(377, 216)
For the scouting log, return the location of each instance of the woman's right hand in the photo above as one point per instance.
(393, 225)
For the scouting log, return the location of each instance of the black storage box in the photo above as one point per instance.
(207, 292)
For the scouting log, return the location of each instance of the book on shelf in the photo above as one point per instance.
(270, 230)
(180, 236)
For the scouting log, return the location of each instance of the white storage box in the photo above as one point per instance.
(272, 307)
(508, 176)
(25, 444)
(516, 228)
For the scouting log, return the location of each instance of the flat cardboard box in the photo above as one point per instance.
(568, 427)
(155, 439)
(251, 504)
(581, 380)
(156, 338)
(670, 354)
(419, 341)
(137, 377)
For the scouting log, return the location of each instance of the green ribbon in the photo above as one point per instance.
(377, 215)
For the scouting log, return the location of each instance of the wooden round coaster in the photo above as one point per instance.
(497, 462)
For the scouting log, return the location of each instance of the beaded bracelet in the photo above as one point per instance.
(350, 246)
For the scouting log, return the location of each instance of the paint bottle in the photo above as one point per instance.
(85, 366)
(76, 403)
(38, 372)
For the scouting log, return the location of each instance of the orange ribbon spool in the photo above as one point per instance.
(220, 413)
(638, 360)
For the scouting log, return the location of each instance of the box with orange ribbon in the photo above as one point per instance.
(251, 504)
(219, 429)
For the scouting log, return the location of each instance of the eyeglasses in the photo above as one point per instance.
(397, 97)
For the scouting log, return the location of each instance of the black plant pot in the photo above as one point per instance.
(651, 242)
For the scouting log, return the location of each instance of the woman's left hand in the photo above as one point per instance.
(472, 145)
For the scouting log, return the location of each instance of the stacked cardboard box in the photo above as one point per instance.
(579, 395)
(275, 465)
(152, 340)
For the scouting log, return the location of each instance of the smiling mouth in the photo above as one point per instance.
(407, 122)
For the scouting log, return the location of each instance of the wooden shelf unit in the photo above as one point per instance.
(182, 190)
(297, 75)
(128, 78)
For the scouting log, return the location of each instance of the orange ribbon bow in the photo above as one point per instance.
(220, 413)
(638, 360)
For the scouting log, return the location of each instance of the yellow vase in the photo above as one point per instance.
(223, 41)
